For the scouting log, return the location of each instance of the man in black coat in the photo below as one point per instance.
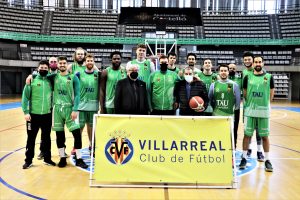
(186, 89)
(131, 94)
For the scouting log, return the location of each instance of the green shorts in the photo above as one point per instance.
(262, 124)
(86, 117)
(61, 116)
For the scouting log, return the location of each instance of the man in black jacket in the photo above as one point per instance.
(131, 94)
(186, 89)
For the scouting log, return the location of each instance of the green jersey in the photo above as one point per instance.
(207, 79)
(162, 89)
(245, 73)
(224, 98)
(176, 70)
(258, 96)
(37, 96)
(144, 69)
(77, 68)
(237, 80)
(66, 91)
(113, 76)
(89, 91)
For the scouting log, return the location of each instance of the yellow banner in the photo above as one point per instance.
(143, 149)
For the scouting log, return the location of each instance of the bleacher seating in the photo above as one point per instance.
(290, 24)
(275, 57)
(217, 57)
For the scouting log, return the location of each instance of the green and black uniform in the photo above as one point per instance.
(257, 112)
(36, 101)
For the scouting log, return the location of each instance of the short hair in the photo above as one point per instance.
(262, 58)
(172, 54)
(128, 67)
(188, 68)
(115, 53)
(143, 46)
(89, 55)
(162, 56)
(223, 65)
(62, 58)
(44, 62)
(191, 54)
(246, 54)
(204, 59)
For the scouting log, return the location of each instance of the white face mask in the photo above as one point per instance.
(188, 78)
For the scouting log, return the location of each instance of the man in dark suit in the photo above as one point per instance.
(131, 94)
(186, 89)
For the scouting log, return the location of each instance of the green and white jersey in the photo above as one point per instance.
(238, 80)
(162, 89)
(89, 91)
(176, 70)
(207, 79)
(37, 96)
(77, 68)
(113, 76)
(224, 98)
(66, 91)
(258, 96)
(145, 69)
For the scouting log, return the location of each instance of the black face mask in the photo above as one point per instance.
(43, 72)
(134, 75)
(231, 73)
(163, 67)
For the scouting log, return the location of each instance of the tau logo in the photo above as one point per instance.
(222, 103)
(89, 89)
(119, 150)
(62, 92)
(257, 94)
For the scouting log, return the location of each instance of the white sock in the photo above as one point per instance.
(245, 154)
(267, 155)
(259, 148)
(78, 153)
(61, 152)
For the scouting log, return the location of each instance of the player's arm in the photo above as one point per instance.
(25, 101)
(237, 95)
(76, 84)
(272, 88)
(152, 67)
(69, 68)
(102, 90)
(118, 97)
(245, 85)
(149, 89)
(176, 95)
(211, 95)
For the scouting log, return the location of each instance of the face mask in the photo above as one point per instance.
(258, 68)
(53, 66)
(188, 78)
(163, 67)
(231, 73)
(43, 72)
(134, 75)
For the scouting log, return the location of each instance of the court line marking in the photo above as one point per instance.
(12, 187)
(11, 127)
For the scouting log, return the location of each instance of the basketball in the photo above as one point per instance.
(197, 103)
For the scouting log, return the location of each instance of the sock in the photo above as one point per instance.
(61, 152)
(245, 154)
(259, 148)
(267, 155)
(78, 153)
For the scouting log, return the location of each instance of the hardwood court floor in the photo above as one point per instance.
(47, 182)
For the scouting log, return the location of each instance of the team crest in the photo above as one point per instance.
(119, 149)
(158, 79)
(229, 87)
(265, 79)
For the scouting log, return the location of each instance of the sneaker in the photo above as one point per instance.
(81, 163)
(249, 152)
(49, 162)
(40, 156)
(73, 152)
(260, 157)
(243, 163)
(62, 162)
(268, 166)
(27, 165)
(66, 155)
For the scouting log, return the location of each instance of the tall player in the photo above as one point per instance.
(172, 57)
(258, 91)
(78, 58)
(89, 100)
(146, 67)
(248, 58)
(109, 78)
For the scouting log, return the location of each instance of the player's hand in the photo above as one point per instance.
(199, 109)
(175, 105)
(27, 117)
(196, 78)
(180, 73)
(28, 79)
(74, 115)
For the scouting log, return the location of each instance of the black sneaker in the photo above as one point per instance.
(49, 162)
(40, 156)
(62, 162)
(260, 157)
(268, 166)
(249, 152)
(81, 163)
(243, 163)
(27, 165)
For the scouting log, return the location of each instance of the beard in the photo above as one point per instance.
(258, 68)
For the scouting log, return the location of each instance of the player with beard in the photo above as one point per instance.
(79, 58)
(191, 60)
(89, 101)
(109, 78)
(258, 92)
(208, 77)
(248, 58)
(65, 111)
(146, 67)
